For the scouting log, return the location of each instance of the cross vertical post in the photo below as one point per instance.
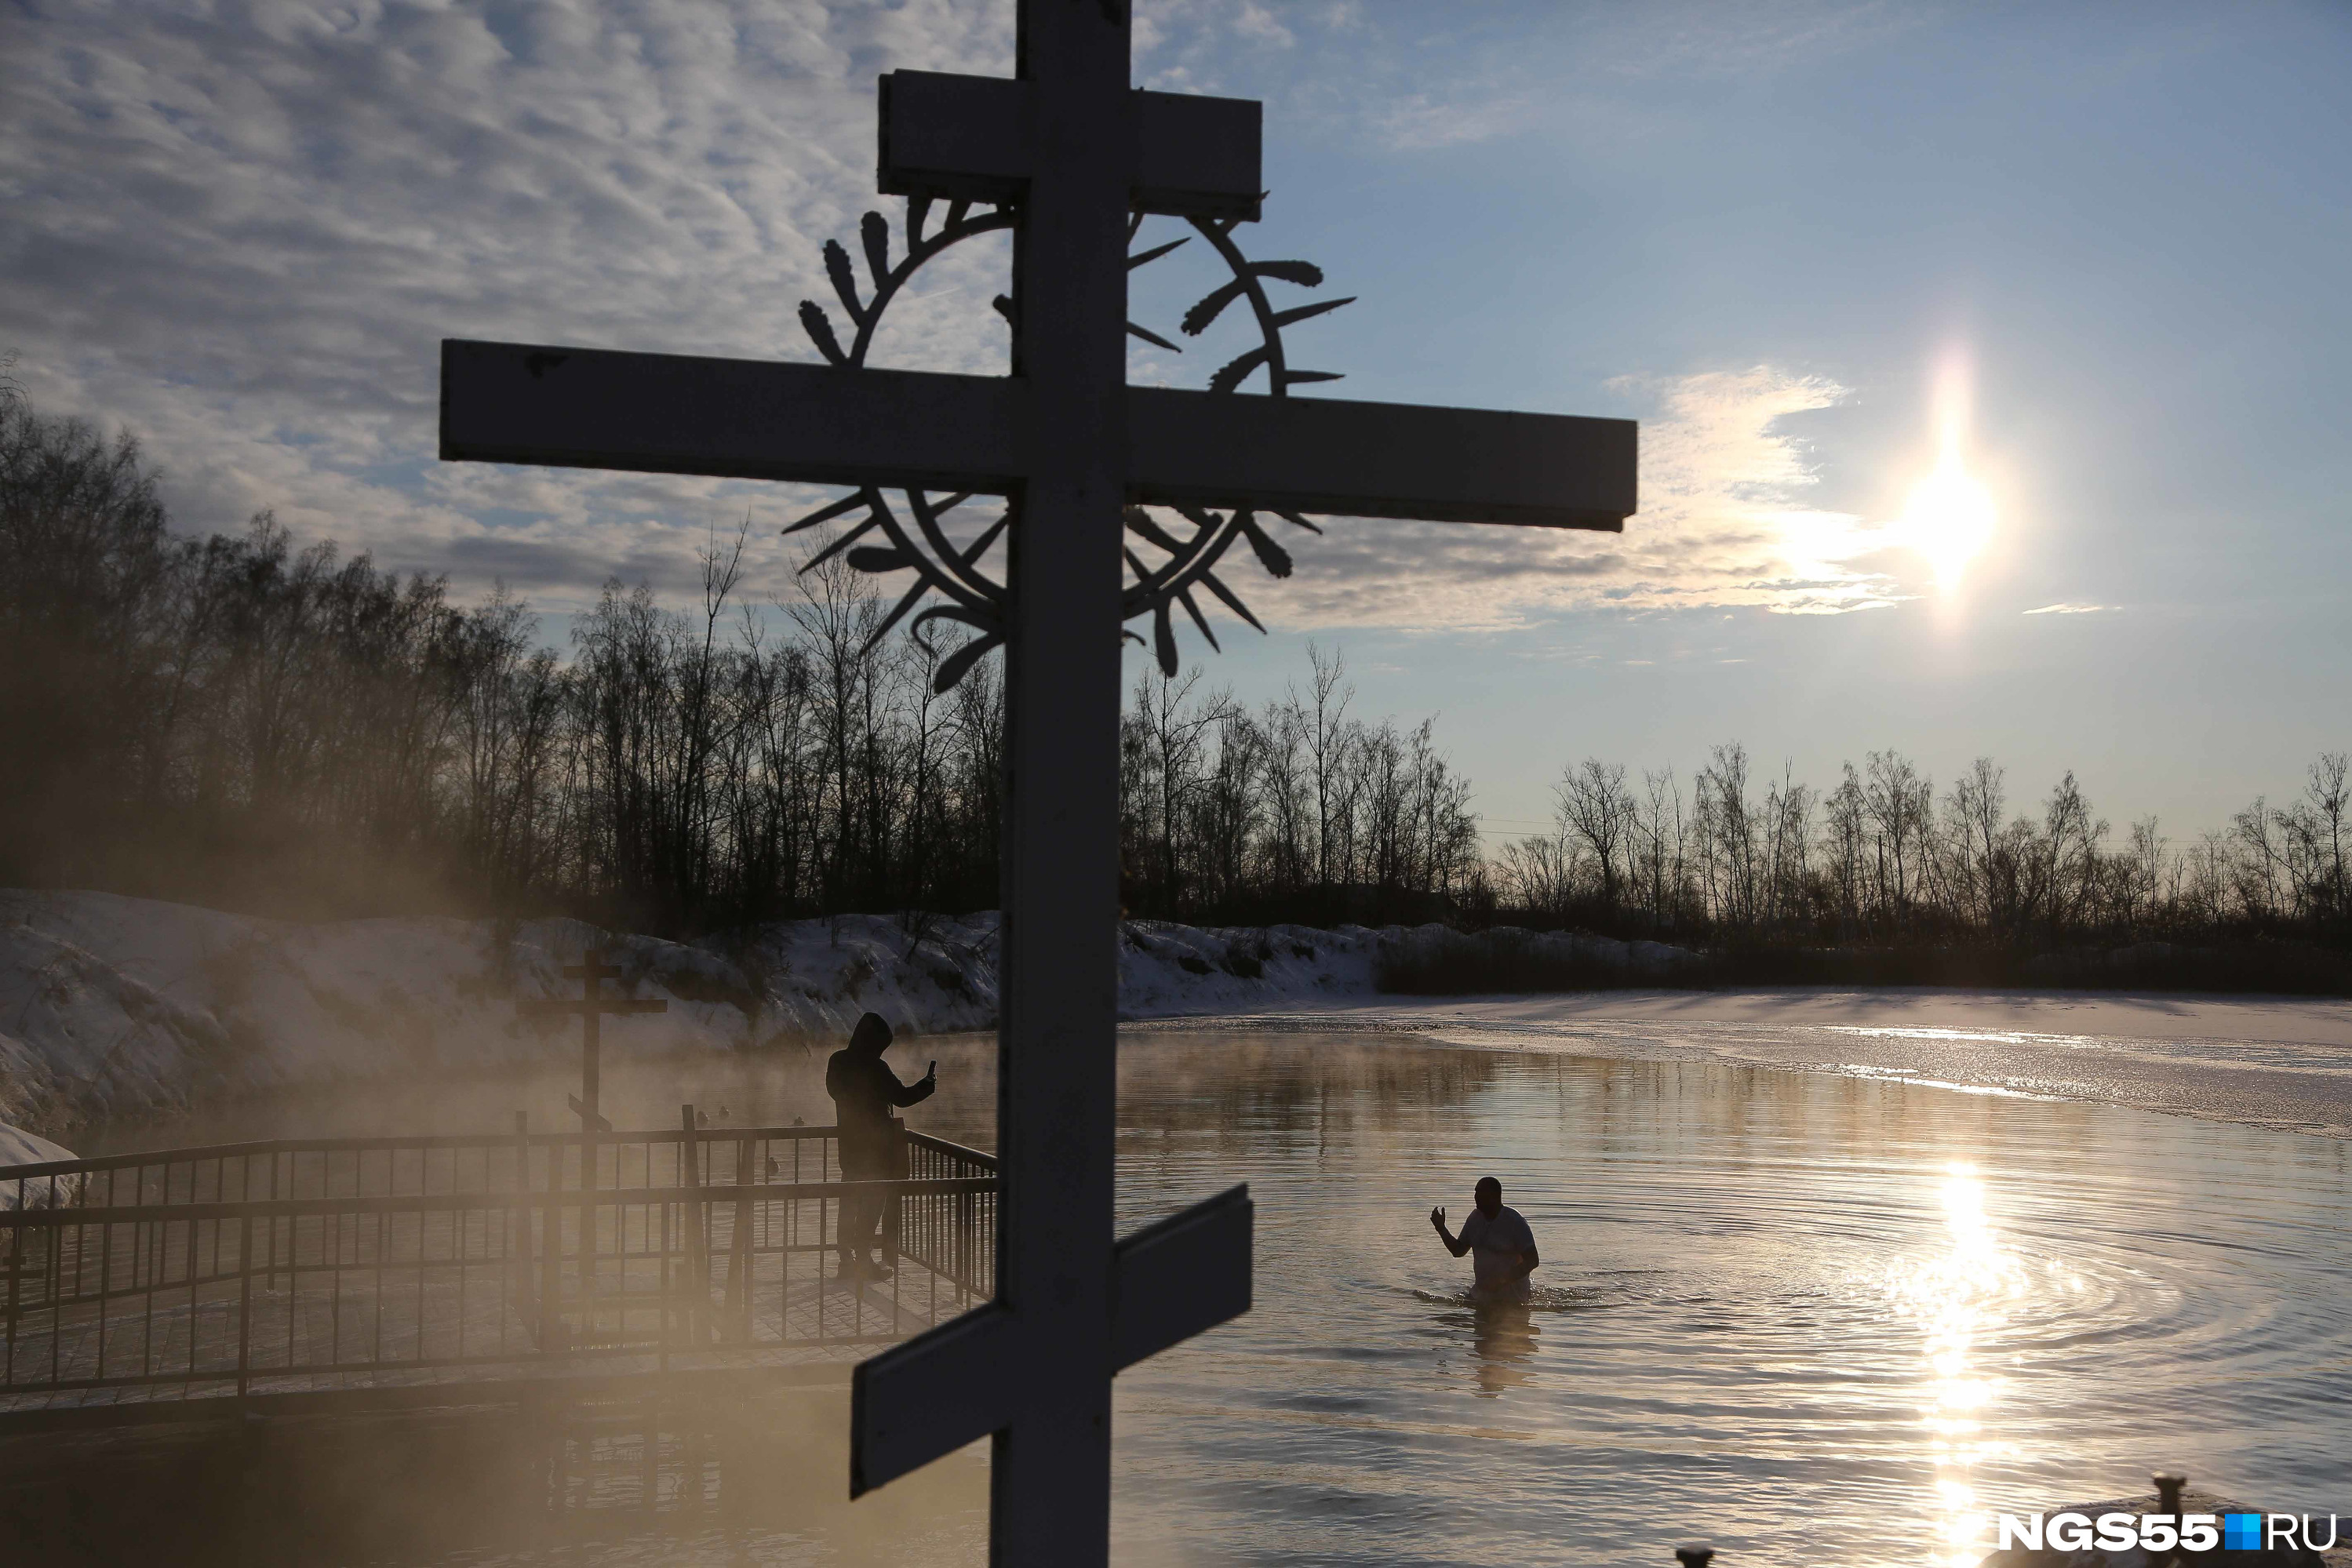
(1057, 1041)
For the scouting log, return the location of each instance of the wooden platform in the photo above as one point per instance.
(448, 1268)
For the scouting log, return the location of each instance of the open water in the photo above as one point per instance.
(1810, 1317)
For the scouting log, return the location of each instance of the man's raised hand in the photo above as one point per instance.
(1437, 1219)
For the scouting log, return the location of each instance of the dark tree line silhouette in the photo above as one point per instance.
(238, 722)
(1884, 857)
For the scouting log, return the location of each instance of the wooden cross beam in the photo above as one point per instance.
(591, 1007)
(977, 139)
(754, 419)
(1077, 152)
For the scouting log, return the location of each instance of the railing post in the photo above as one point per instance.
(243, 1307)
(269, 1281)
(53, 1259)
(16, 1281)
(56, 1291)
(550, 1242)
(519, 1254)
(105, 1278)
(738, 1252)
(698, 1235)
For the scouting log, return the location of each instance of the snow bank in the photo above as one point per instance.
(82, 1035)
(114, 1006)
(19, 1147)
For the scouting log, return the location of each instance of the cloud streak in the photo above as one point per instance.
(1417, 76)
(1725, 522)
(242, 229)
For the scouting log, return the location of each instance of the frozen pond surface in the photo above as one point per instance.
(1810, 1316)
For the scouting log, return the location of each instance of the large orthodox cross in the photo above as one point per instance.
(1076, 153)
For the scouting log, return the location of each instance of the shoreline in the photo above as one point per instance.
(132, 1009)
(2282, 1063)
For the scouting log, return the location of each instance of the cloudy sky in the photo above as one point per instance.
(2093, 254)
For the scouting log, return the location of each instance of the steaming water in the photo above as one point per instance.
(1809, 1316)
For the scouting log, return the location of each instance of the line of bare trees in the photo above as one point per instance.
(239, 722)
(1883, 856)
(1296, 810)
(236, 721)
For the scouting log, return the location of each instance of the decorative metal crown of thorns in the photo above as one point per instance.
(943, 552)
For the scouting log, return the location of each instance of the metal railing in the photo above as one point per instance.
(277, 1265)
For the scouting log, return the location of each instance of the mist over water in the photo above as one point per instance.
(1803, 1314)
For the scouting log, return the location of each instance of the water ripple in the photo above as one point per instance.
(1810, 1316)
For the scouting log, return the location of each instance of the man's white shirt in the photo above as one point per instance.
(1494, 1247)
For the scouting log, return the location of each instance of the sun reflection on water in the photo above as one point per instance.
(1961, 1296)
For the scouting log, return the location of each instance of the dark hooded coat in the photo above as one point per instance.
(864, 1091)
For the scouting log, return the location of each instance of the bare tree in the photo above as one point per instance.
(1897, 799)
(1787, 849)
(1230, 810)
(1731, 861)
(1290, 800)
(1326, 751)
(2258, 863)
(1171, 723)
(2071, 836)
(1662, 865)
(1594, 804)
(1846, 842)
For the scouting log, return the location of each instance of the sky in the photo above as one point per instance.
(2091, 254)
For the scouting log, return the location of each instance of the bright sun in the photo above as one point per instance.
(1949, 517)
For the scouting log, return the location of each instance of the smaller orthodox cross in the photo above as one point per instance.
(591, 1005)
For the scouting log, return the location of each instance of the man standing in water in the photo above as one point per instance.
(864, 1090)
(1502, 1248)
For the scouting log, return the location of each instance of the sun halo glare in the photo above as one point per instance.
(1949, 517)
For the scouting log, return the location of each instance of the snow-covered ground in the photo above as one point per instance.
(113, 1006)
(19, 1147)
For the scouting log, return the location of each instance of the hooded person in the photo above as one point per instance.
(864, 1091)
